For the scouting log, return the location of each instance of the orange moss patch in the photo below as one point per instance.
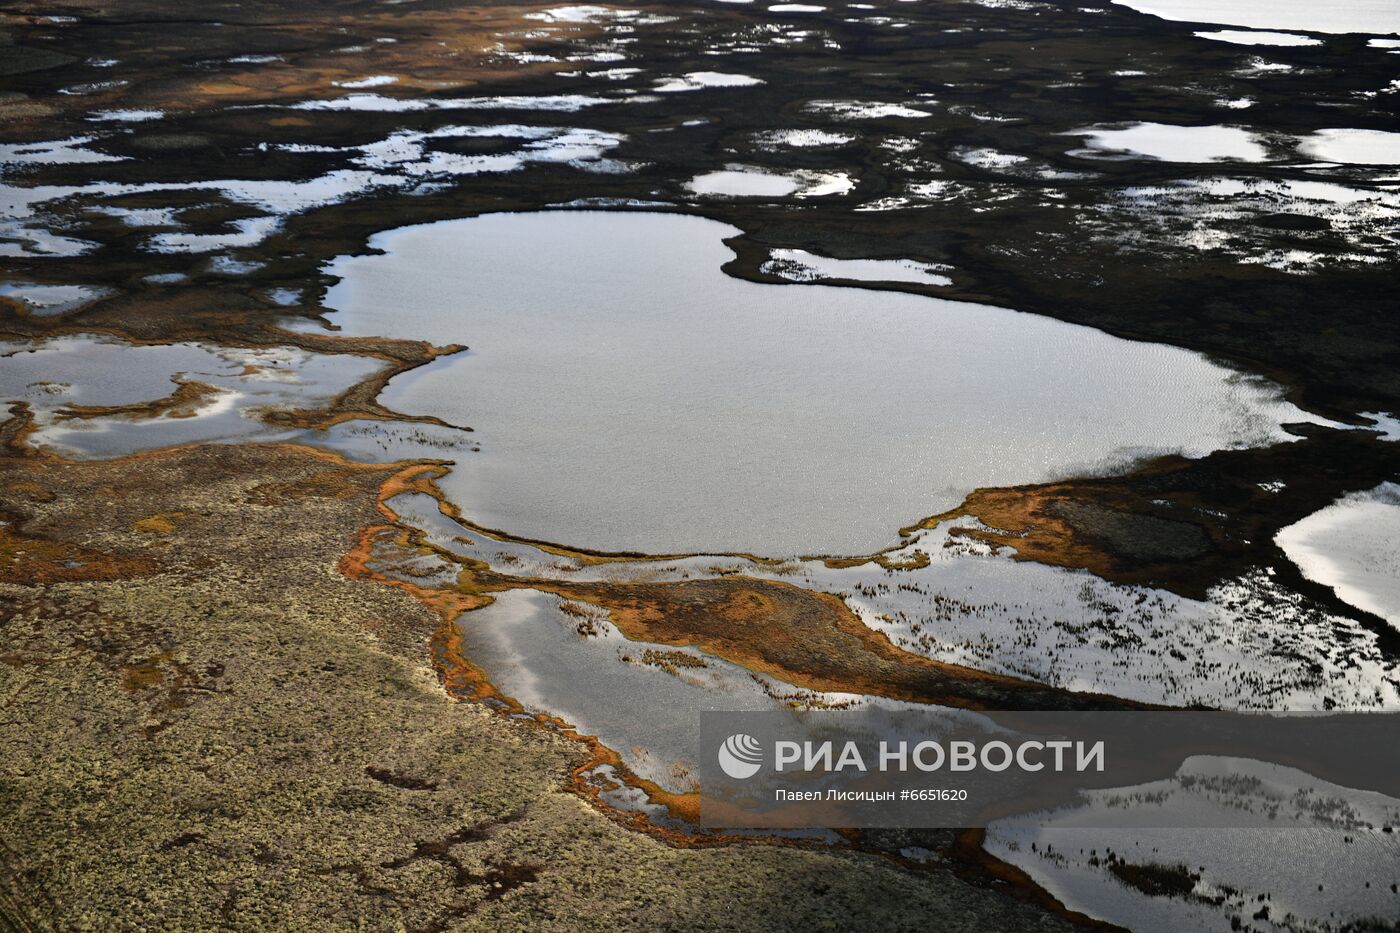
(15, 431)
(161, 523)
(806, 638)
(32, 491)
(327, 484)
(447, 603)
(976, 862)
(36, 561)
(144, 674)
(1019, 517)
(184, 402)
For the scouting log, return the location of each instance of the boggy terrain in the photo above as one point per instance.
(208, 726)
(950, 132)
(219, 716)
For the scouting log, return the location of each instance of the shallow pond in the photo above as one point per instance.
(628, 395)
(87, 392)
(1315, 863)
(567, 660)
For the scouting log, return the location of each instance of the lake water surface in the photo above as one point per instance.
(628, 395)
(1373, 16)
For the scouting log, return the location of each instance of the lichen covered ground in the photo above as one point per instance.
(234, 693)
(233, 734)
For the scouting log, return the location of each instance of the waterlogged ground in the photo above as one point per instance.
(1126, 437)
(1303, 851)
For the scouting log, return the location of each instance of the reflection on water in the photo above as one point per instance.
(1377, 16)
(1318, 860)
(1172, 143)
(86, 392)
(798, 265)
(1353, 546)
(567, 660)
(51, 300)
(1249, 645)
(627, 395)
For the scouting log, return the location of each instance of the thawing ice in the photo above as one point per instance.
(752, 182)
(370, 81)
(1368, 16)
(403, 158)
(70, 151)
(126, 116)
(1195, 214)
(1356, 147)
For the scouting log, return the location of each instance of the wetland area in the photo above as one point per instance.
(417, 412)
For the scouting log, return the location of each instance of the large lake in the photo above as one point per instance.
(1340, 16)
(628, 395)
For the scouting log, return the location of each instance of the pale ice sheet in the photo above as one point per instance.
(699, 80)
(864, 110)
(368, 81)
(378, 103)
(802, 139)
(70, 151)
(746, 181)
(126, 116)
(401, 159)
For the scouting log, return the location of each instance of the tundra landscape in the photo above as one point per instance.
(417, 412)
